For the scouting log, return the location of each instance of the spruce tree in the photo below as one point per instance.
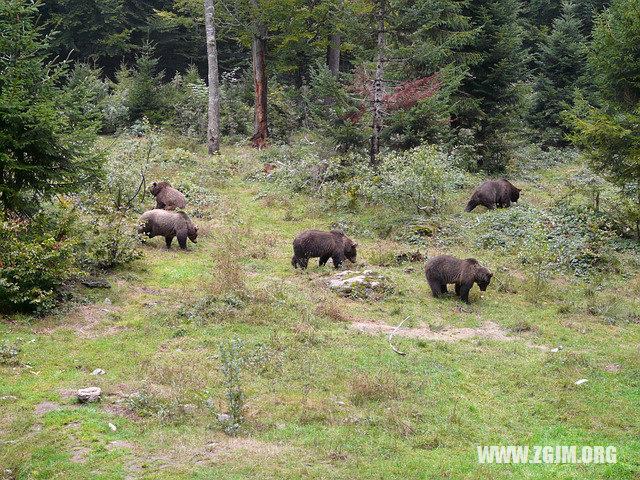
(45, 149)
(561, 70)
(144, 98)
(495, 87)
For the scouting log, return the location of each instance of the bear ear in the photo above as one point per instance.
(354, 244)
(519, 189)
(490, 274)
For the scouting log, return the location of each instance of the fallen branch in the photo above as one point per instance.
(391, 337)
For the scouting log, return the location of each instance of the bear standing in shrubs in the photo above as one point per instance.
(167, 224)
(445, 269)
(167, 197)
(315, 243)
(494, 193)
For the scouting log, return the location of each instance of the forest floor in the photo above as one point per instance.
(325, 396)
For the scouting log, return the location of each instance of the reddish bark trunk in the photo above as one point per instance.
(333, 57)
(259, 52)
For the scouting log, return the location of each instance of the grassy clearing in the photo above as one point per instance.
(323, 399)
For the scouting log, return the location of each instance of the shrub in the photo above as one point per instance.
(189, 101)
(231, 364)
(35, 261)
(9, 352)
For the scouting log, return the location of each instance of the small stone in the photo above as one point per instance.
(340, 403)
(98, 371)
(281, 426)
(581, 381)
(9, 397)
(107, 301)
(90, 394)
(557, 349)
(112, 427)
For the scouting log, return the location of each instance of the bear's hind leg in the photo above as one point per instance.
(436, 288)
(324, 259)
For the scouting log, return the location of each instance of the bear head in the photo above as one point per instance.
(483, 277)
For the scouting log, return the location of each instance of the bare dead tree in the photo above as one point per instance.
(333, 56)
(378, 85)
(213, 128)
(259, 53)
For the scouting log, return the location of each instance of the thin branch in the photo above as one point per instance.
(391, 337)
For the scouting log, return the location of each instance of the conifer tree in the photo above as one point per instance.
(561, 66)
(495, 85)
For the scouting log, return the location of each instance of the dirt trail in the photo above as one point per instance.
(488, 329)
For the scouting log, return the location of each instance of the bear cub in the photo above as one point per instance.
(167, 224)
(167, 197)
(315, 243)
(446, 269)
(494, 193)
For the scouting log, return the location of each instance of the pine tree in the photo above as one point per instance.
(610, 133)
(561, 65)
(144, 98)
(495, 85)
(44, 147)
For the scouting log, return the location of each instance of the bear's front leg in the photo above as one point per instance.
(464, 293)
(168, 240)
(337, 261)
(436, 288)
(324, 260)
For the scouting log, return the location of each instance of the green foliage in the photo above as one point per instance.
(145, 95)
(188, 99)
(610, 135)
(564, 239)
(562, 69)
(496, 87)
(231, 364)
(9, 352)
(45, 144)
(36, 259)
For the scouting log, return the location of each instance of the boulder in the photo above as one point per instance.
(90, 394)
(355, 283)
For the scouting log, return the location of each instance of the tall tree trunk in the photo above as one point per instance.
(213, 128)
(333, 57)
(378, 86)
(259, 52)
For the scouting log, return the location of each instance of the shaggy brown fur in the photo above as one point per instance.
(494, 193)
(445, 269)
(167, 197)
(166, 224)
(315, 243)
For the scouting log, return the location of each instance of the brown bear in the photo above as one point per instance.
(168, 225)
(167, 197)
(494, 193)
(445, 269)
(315, 243)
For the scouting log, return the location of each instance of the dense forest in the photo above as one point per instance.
(375, 117)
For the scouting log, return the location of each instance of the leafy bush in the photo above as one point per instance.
(188, 96)
(420, 180)
(9, 352)
(579, 240)
(35, 262)
(231, 364)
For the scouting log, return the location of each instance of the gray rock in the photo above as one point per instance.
(107, 301)
(96, 282)
(365, 283)
(98, 371)
(90, 394)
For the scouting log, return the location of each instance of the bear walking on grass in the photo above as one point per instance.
(315, 243)
(445, 269)
(167, 197)
(167, 224)
(494, 193)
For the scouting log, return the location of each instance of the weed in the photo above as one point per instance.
(9, 352)
(231, 366)
(365, 388)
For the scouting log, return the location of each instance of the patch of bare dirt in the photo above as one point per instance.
(91, 321)
(612, 368)
(227, 449)
(119, 444)
(45, 407)
(488, 329)
(79, 454)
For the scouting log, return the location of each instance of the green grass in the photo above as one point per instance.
(323, 400)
